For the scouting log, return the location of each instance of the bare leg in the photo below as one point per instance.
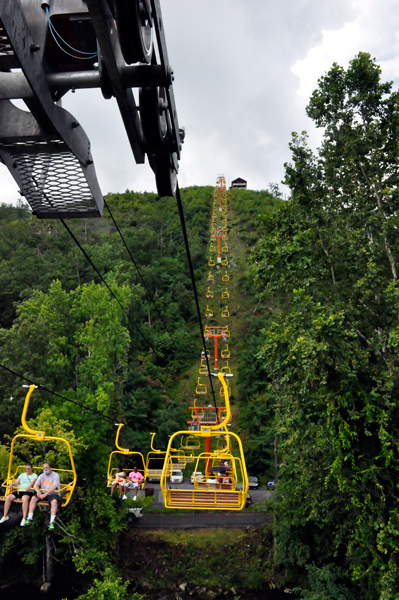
(54, 506)
(113, 486)
(32, 505)
(120, 490)
(25, 506)
(10, 498)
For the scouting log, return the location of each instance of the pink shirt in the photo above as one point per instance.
(135, 476)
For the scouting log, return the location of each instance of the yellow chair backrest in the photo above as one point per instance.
(200, 388)
(226, 369)
(225, 352)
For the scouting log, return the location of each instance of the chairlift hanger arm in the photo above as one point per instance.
(167, 72)
(104, 27)
(49, 115)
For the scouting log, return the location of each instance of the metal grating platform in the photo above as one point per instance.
(52, 179)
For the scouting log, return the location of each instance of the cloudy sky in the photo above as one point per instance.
(244, 72)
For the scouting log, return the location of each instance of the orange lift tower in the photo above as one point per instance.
(215, 332)
(220, 188)
(218, 234)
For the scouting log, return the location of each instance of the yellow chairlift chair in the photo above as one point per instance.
(217, 487)
(222, 391)
(212, 248)
(225, 277)
(225, 353)
(190, 442)
(226, 369)
(225, 294)
(203, 370)
(68, 477)
(225, 262)
(210, 277)
(225, 248)
(155, 460)
(223, 443)
(211, 262)
(226, 334)
(209, 293)
(225, 312)
(208, 312)
(134, 457)
(200, 388)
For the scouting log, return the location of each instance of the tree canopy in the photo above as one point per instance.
(332, 354)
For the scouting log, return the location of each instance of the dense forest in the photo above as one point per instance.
(316, 354)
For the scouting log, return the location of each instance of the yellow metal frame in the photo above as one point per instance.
(226, 334)
(225, 312)
(209, 293)
(155, 452)
(203, 370)
(186, 446)
(225, 294)
(212, 496)
(211, 262)
(212, 248)
(225, 262)
(222, 392)
(124, 452)
(210, 277)
(208, 312)
(200, 388)
(226, 448)
(225, 353)
(225, 277)
(225, 248)
(226, 369)
(40, 436)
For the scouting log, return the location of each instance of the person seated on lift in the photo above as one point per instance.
(135, 477)
(24, 490)
(47, 487)
(119, 481)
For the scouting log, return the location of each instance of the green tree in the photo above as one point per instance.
(331, 355)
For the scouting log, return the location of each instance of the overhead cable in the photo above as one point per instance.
(42, 387)
(190, 266)
(136, 327)
(139, 273)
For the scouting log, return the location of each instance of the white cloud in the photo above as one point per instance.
(375, 30)
(239, 67)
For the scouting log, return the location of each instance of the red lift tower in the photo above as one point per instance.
(218, 234)
(216, 332)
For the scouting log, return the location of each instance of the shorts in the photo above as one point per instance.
(132, 484)
(20, 493)
(54, 496)
(118, 482)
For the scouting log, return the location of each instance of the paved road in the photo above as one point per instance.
(200, 519)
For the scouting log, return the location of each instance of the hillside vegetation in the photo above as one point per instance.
(61, 328)
(316, 337)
